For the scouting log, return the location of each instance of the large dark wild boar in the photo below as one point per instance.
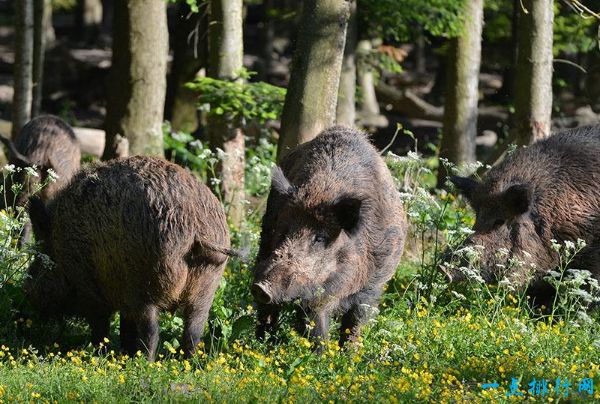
(49, 143)
(546, 191)
(138, 235)
(332, 234)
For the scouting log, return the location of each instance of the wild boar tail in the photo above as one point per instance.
(223, 252)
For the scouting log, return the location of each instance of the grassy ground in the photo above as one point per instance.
(428, 343)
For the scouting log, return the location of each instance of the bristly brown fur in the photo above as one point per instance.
(136, 235)
(332, 235)
(542, 192)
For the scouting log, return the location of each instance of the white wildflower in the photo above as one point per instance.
(52, 176)
(9, 168)
(31, 172)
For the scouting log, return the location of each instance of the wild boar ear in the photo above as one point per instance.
(347, 212)
(465, 185)
(280, 183)
(40, 218)
(517, 199)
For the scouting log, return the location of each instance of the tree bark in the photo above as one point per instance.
(346, 104)
(226, 57)
(23, 69)
(136, 94)
(462, 95)
(268, 35)
(41, 36)
(533, 98)
(89, 20)
(310, 102)
(190, 52)
(369, 112)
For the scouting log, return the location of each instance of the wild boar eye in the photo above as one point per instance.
(319, 239)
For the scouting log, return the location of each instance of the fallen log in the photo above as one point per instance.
(407, 103)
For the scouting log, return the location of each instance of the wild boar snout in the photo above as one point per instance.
(262, 292)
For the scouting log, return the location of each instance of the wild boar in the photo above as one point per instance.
(547, 191)
(49, 143)
(136, 235)
(332, 234)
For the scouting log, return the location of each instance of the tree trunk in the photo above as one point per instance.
(136, 94)
(41, 32)
(23, 80)
(533, 100)
(89, 20)
(420, 56)
(462, 95)
(189, 56)
(506, 92)
(346, 104)
(369, 112)
(268, 38)
(310, 103)
(226, 57)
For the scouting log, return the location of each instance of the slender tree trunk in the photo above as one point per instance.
(190, 52)
(310, 103)
(268, 38)
(40, 38)
(369, 112)
(23, 79)
(420, 56)
(346, 104)
(462, 95)
(226, 53)
(508, 75)
(89, 20)
(137, 81)
(49, 34)
(533, 98)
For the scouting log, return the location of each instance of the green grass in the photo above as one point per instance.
(429, 343)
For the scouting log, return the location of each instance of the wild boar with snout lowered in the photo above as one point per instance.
(332, 234)
(138, 235)
(549, 190)
(48, 143)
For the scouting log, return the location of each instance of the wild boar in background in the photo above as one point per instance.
(48, 143)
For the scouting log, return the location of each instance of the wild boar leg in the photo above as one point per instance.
(128, 333)
(350, 325)
(197, 309)
(268, 314)
(148, 330)
(320, 331)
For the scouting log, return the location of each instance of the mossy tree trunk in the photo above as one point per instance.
(533, 95)
(43, 36)
(23, 68)
(310, 103)
(462, 91)
(190, 53)
(137, 80)
(224, 132)
(346, 104)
